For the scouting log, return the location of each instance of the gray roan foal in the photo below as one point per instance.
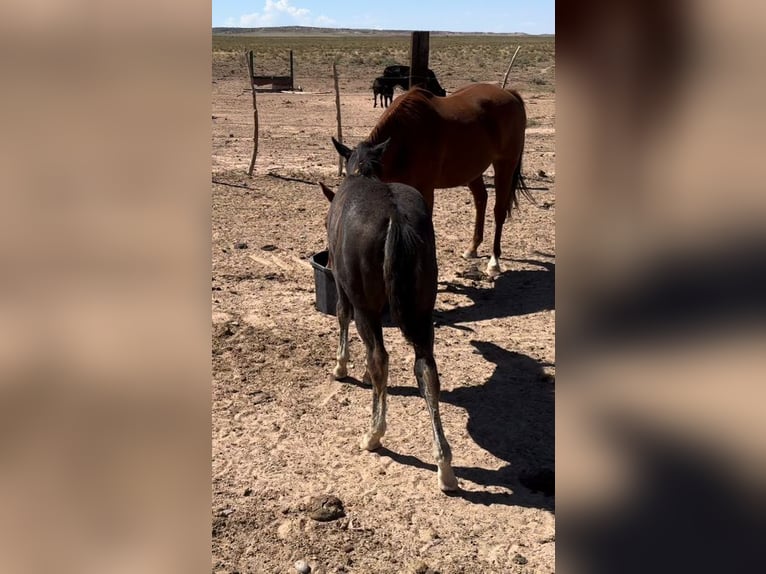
(382, 250)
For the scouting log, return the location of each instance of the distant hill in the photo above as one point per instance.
(314, 31)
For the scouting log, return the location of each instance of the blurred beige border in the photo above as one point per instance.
(661, 276)
(104, 296)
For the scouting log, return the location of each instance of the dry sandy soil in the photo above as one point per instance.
(285, 432)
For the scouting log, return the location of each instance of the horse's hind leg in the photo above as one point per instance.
(479, 193)
(344, 312)
(503, 182)
(428, 383)
(371, 331)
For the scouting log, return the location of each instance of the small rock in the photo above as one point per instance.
(519, 559)
(226, 512)
(283, 530)
(427, 534)
(348, 547)
(248, 492)
(258, 397)
(269, 247)
(302, 567)
(325, 508)
(541, 173)
(240, 245)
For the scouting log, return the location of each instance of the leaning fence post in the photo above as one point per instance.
(505, 78)
(249, 59)
(337, 111)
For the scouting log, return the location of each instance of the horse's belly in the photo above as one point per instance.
(454, 173)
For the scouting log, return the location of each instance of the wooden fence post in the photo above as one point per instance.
(419, 58)
(250, 69)
(337, 111)
(505, 78)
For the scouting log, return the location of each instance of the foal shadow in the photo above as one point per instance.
(398, 391)
(510, 416)
(512, 293)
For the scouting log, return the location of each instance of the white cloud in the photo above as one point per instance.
(255, 20)
(323, 21)
(281, 13)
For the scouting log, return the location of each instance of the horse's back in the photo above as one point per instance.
(359, 223)
(361, 209)
(441, 142)
(366, 206)
(487, 93)
(410, 202)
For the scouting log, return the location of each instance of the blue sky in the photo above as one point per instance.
(529, 16)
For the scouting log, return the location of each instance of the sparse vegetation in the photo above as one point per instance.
(457, 58)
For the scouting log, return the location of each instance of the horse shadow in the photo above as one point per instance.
(512, 417)
(513, 293)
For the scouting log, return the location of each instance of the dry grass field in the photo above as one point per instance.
(285, 432)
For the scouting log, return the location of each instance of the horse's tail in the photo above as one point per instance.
(518, 184)
(401, 270)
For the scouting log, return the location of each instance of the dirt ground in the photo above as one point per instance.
(284, 432)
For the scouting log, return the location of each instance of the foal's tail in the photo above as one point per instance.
(517, 183)
(404, 275)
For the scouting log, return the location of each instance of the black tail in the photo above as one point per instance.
(403, 274)
(517, 183)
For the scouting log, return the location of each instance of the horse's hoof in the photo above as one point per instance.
(493, 271)
(340, 372)
(470, 254)
(370, 442)
(447, 481)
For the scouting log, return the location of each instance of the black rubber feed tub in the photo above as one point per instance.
(324, 284)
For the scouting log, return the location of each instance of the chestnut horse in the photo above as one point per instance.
(445, 142)
(382, 250)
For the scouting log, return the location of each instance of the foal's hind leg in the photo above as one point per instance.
(428, 383)
(371, 331)
(344, 311)
(479, 192)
